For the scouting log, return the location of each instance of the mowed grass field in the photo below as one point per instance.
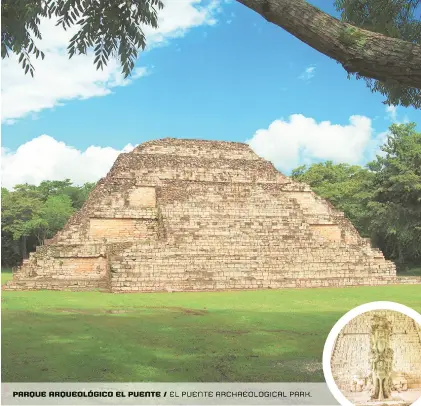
(266, 336)
(6, 274)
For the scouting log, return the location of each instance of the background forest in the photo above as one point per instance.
(382, 199)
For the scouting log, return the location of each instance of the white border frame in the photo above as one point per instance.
(340, 324)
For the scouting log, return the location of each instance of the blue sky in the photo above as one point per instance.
(215, 71)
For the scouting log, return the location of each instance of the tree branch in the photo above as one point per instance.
(366, 53)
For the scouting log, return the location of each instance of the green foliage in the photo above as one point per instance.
(18, 210)
(396, 19)
(51, 217)
(352, 36)
(55, 211)
(383, 200)
(397, 194)
(30, 214)
(345, 186)
(112, 28)
(77, 194)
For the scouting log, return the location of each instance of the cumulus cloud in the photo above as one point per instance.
(392, 115)
(308, 73)
(302, 140)
(391, 112)
(58, 79)
(45, 158)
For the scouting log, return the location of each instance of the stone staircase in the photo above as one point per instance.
(224, 241)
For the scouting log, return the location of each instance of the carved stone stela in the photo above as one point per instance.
(185, 215)
(377, 359)
(381, 358)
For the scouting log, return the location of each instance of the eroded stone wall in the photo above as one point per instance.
(198, 149)
(116, 229)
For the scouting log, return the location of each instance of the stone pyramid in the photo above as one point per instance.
(181, 215)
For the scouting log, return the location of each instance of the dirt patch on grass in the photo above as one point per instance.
(301, 333)
(193, 312)
(118, 311)
(234, 332)
(77, 311)
(301, 366)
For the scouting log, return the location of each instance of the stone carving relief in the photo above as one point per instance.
(377, 359)
(399, 382)
(358, 383)
(381, 358)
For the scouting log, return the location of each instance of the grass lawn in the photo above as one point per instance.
(6, 275)
(266, 336)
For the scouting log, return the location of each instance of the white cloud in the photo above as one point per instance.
(58, 79)
(45, 158)
(302, 140)
(308, 73)
(392, 115)
(391, 112)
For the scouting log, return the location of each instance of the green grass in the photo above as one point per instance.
(6, 275)
(266, 336)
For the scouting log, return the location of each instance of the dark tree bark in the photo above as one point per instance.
(359, 51)
(24, 251)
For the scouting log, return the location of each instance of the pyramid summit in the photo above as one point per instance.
(185, 215)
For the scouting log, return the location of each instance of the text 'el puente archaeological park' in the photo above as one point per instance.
(192, 215)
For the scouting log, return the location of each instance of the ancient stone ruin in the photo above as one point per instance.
(377, 359)
(381, 358)
(185, 215)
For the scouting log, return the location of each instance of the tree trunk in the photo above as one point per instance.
(366, 53)
(23, 250)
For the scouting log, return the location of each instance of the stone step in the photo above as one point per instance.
(212, 275)
(247, 250)
(56, 284)
(203, 285)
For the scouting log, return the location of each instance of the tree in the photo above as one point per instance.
(50, 217)
(378, 40)
(383, 200)
(77, 194)
(385, 51)
(347, 187)
(392, 18)
(30, 214)
(10, 250)
(18, 210)
(396, 204)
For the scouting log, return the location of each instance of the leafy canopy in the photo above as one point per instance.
(383, 200)
(396, 204)
(30, 214)
(112, 28)
(393, 18)
(345, 186)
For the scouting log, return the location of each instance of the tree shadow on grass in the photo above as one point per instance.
(164, 345)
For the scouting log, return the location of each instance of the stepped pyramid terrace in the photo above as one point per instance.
(192, 215)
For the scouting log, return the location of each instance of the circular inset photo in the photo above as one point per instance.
(373, 356)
